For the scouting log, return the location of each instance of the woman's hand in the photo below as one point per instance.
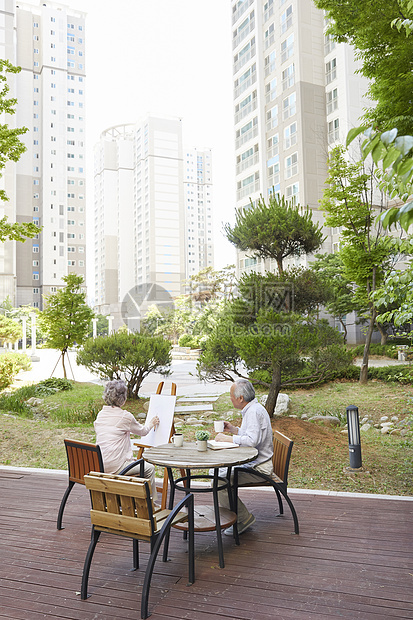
(154, 422)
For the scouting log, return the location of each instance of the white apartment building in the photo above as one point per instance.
(199, 248)
(50, 176)
(296, 93)
(8, 180)
(153, 212)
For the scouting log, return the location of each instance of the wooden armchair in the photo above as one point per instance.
(122, 505)
(81, 459)
(281, 462)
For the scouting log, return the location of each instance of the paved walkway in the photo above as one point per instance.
(183, 374)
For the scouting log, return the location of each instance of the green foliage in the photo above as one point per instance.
(209, 284)
(10, 366)
(189, 341)
(130, 357)
(284, 347)
(11, 149)
(202, 435)
(66, 317)
(10, 330)
(57, 384)
(277, 230)
(392, 374)
(387, 350)
(101, 326)
(385, 51)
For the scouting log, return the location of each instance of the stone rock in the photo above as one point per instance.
(293, 416)
(343, 432)
(364, 420)
(384, 418)
(146, 405)
(34, 402)
(328, 419)
(385, 430)
(365, 427)
(394, 418)
(283, 403)
(194, 421)
(304, 416)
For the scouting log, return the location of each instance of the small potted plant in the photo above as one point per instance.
(201, 440)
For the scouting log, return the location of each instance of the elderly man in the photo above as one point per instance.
(255, 431)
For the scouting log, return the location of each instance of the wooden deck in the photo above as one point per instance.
(352, 559)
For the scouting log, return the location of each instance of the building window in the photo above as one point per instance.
(329, 44)
(271, 90)
(333, 130)
(332, 101)
(290, 135)
(289, 106)
(287, 19)
(35, 275)
(35, 291)
(331, 70)
(269, 64)
(35, 249)
(269, 36)
(287, 48)
(291, 165)
(292, 192)
(272, 146)
(288, 77)
(272, 118)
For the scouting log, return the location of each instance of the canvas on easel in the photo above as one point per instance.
(163, 406)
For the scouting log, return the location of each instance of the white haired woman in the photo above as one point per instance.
(113, 426)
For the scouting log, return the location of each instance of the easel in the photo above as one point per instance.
(164, 488)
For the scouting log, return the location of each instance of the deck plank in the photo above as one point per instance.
(346, 563)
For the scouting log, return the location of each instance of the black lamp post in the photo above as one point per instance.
(354, 436)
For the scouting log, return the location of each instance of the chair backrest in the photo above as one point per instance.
(121, 505)
(282, 453)
(82, 458)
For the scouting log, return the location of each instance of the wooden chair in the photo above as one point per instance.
(164, 488)
(81, 459)
(279, 479)
(122, 505)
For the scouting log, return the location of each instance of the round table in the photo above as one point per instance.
(187, 458)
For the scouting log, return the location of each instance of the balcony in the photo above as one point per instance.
(241, 36)
(241, 11)
(244, 59)
(248, 190)
(246, 137)
(247, 163)
(243, 112)
(245, 85)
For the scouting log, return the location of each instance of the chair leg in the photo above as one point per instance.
(191, 548)
(63, 504)
(148, 576)
(280, 502)
(135, 543)
(88, 561)
(289, 502)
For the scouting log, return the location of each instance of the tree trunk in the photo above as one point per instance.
(383, 333)
(63, 364)
(345, 329)
(273, 391)
(365, 363)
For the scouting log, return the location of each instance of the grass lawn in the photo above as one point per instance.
(320, 454)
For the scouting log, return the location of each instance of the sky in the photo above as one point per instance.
(167, 57)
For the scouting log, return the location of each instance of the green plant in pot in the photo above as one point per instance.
(201, 437)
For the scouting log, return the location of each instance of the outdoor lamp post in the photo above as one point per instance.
(354, 436)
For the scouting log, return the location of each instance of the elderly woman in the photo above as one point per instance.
(114, 426)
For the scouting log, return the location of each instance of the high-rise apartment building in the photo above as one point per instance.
(199, 248)
(50, 176)
(296, 94)
(153, 212)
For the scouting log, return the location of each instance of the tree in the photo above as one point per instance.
(276, 350)
(11, 149)
(66, 317)
(209, 284)
(340, 297)
(10, 330)
(386, 52)
(130, 357)
(396, 296)
(276, 231)
(392, 155)
(352, 202)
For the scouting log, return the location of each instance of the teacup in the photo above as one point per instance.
(219, 426)
(178, 440)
